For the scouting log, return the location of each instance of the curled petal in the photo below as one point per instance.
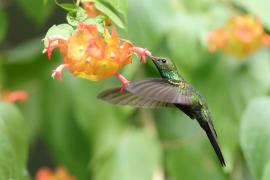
(58, 71)
(142, 52)
(51, 45)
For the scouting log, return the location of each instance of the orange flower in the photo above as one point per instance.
(14, 96)
(240, 36)
(59, 174)
(92, 56)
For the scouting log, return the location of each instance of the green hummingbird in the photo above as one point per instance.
(169, 91)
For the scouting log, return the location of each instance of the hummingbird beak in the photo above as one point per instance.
(153, 58)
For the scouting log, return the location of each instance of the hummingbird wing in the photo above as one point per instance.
(160, 90)
(114, 96)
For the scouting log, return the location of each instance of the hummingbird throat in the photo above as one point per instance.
(171, 75)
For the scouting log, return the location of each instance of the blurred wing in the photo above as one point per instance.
(160, 90)
(114, 96)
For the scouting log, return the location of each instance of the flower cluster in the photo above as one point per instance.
(240, 36)
(89, 55)
(59, 174)
(89, 52)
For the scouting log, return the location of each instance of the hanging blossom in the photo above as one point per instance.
(240, 36)
(59, 174)
(13, 96)
(92, 56)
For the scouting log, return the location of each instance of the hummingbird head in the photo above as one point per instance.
(166, 67)
(163, 63)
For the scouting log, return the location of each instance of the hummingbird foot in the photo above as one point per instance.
(142, 52)
(58, 71)
(52, 45)
(123, 80)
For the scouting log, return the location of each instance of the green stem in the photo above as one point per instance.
(78, 2)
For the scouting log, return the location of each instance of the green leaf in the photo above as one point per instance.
(119, 6)
(136, 156)
(75, 17)
(68, 6)
(112, 16)
(3, 27)
(266, 174)
(255, 135)
(259, 8)
(13, 143)
(62, 30)
(36, 10)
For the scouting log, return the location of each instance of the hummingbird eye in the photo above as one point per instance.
(163, 61)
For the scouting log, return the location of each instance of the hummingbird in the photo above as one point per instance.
(171, 90)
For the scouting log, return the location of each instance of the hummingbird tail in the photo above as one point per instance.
(211, 134)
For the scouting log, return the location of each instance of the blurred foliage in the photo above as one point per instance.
(255, 135)
(13, 146)
(95, 140)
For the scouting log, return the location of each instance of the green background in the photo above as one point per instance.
(62, 123)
